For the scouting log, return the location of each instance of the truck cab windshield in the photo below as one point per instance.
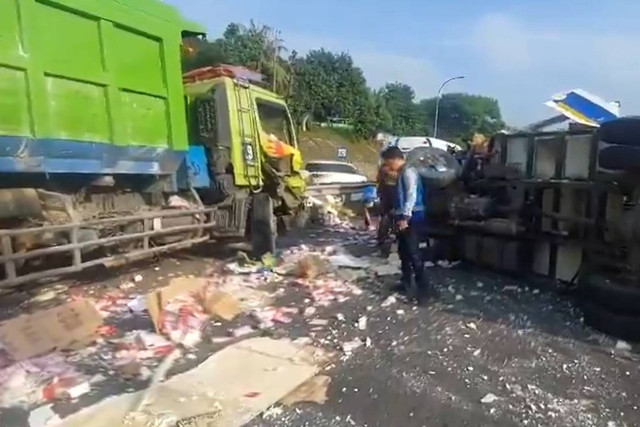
(275, 120)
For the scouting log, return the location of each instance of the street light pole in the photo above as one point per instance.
(435, 125)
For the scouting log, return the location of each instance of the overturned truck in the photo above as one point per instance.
(557, 204)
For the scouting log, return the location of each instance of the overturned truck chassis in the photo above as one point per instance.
(540, 203)
(48, 234)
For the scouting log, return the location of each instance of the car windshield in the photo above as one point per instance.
(331, 167)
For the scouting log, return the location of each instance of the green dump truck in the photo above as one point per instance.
(109, 154)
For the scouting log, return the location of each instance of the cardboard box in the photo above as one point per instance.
(157, 300)
(68, 326)
(222, 305)
(215, 303)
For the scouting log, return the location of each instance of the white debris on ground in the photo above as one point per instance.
(322, 290)
(183, 319)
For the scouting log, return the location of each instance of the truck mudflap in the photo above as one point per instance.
(79, 254)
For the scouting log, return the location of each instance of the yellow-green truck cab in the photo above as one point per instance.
(244, 154)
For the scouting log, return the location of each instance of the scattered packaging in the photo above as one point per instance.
(350, 346)
(268, 316)
(362, 323)
(242, 331)
(36, 380)
(183, 320)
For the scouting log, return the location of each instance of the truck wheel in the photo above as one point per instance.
(618, 325)
(620, 158)
(611, 295)
(263, 225)
(623, 131)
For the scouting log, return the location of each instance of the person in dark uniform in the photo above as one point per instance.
(386, 180)
(409, 214)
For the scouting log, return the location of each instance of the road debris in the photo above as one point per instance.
(312, 391)
(623, 345)
(272, 413)
(269, 316)
(318, 322)
(385, 270)
(141, 345)
(350, 346)
(43, 416)
(447, 264)
(362, 323)
(489, 398)
(242, 331)
(389, 301)
(249, 377)
(37, 380)
(348, 261)
(138, 305)
(310, 267)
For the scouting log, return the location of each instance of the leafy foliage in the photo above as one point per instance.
(462, 115)
(324, 84)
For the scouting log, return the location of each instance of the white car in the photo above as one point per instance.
(408, 143)
(332, 172)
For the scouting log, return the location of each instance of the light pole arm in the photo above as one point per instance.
(435, 125)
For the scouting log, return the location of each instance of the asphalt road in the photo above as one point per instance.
(427, 366)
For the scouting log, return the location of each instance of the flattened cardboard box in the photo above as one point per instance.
(62, 327)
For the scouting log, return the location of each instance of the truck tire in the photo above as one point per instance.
(263, 225)
(619, 158)
(622, 131)
(611, 295)
(621, 326)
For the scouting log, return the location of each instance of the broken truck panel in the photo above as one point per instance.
(584, 108)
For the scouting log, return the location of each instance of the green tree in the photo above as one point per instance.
(324, 84)
(327, 85)
(399, 102)
(199, 53)
(259, 48)
(462, 115)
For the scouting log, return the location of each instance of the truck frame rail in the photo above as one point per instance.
(78, 251)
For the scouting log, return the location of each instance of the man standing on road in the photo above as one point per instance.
(410, 217)
(386, 180)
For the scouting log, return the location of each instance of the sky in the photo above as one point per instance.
(520, 52)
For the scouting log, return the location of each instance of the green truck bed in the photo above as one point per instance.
(91, 86)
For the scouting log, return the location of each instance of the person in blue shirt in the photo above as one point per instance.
(410, 217)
